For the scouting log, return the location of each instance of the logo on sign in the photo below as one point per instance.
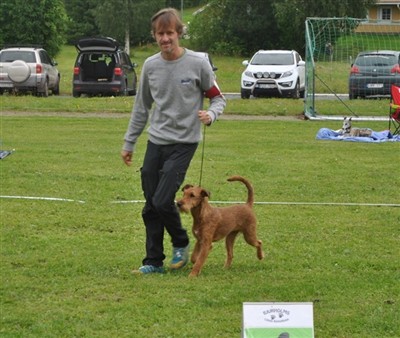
(278, 315)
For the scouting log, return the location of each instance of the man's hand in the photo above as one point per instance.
(126, 157)
(204, 117)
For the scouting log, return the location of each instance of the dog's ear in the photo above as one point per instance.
(187, 186)
(205, 193)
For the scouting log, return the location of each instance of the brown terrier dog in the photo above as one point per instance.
(212, 224)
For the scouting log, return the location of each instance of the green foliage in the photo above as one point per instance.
(33, 22)
(133, 17)
(186, 3)
(65, 266)
(81, 21)
(234, 27)
(292, 14)
(244, 26)
(205, 30)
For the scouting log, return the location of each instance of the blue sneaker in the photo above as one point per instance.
(149, 269)
(180, 257)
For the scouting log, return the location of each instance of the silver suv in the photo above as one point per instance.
(28, 69)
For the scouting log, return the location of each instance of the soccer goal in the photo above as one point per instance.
(332, 44)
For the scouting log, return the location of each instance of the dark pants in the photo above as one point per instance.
(164, 169)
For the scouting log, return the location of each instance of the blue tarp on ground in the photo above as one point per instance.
(376, 136)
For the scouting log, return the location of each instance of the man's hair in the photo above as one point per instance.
(164, 18)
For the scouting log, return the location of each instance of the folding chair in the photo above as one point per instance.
(394, 109)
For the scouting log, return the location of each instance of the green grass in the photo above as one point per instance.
(65, 266)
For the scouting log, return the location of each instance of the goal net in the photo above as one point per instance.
(332, 45)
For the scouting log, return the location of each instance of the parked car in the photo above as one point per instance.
(28, 69)
(103, 68)
(373, 73)
(274, 73)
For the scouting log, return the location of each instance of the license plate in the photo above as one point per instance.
(375, 85)
(266, 86)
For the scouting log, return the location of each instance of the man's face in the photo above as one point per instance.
(167, 39)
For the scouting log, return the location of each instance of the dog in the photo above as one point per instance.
(348, 131)
(211, 224)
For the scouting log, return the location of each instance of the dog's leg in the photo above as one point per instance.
(195, 252)
(205, 246)
(251, 238)
(229, 241)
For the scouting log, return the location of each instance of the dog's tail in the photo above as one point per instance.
(250, 190)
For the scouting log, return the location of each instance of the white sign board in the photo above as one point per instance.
(278, 320)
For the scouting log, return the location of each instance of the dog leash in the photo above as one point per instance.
(202, 154)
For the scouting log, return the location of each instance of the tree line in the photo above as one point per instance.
(227, 27)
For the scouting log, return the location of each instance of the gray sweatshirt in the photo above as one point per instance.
(174, 91)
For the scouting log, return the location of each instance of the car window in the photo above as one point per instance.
(125, 59)
(376, 60)
(44, 57)
(10, 56)
(278, 59)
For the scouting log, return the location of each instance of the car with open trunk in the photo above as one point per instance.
(103, 68)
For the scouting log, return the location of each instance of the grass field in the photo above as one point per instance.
(65, 266)
(70, 233)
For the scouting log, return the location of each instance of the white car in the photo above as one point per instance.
(274, 73)
(24, 69)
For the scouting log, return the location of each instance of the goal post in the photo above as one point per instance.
(332, 45)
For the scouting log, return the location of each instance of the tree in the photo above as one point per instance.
(234, 26)
(81, 21)
(292, 14)
(33, 22)
(244, 26)
(130, 19)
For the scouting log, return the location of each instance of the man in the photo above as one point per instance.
(173, 84)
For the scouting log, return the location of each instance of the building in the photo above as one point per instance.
(383, 17)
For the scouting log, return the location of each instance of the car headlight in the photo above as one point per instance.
(248, 73)
(288, 73)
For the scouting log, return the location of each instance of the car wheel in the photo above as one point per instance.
(126, 90)
(352, 96)
(296, 93)
(245, 94)
(76, 94)
(45, 90)
(133, 91)
(56, 89)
